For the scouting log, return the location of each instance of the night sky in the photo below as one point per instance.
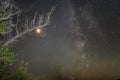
(83, 37)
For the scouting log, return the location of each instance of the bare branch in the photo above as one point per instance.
(26, 23)
(10, 15)
(17, 31)
(34, 19)
(6, 17)
(46, 22)
(49, 14)
(41, 19)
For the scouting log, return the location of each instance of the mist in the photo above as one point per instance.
(76, 41)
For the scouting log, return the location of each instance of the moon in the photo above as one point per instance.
(38, 30)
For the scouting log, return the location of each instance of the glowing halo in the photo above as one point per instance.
(38, 30)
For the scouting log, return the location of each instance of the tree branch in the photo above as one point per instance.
(4, 18)
(46, 22)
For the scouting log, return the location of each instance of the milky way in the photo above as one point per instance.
(83, 37)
